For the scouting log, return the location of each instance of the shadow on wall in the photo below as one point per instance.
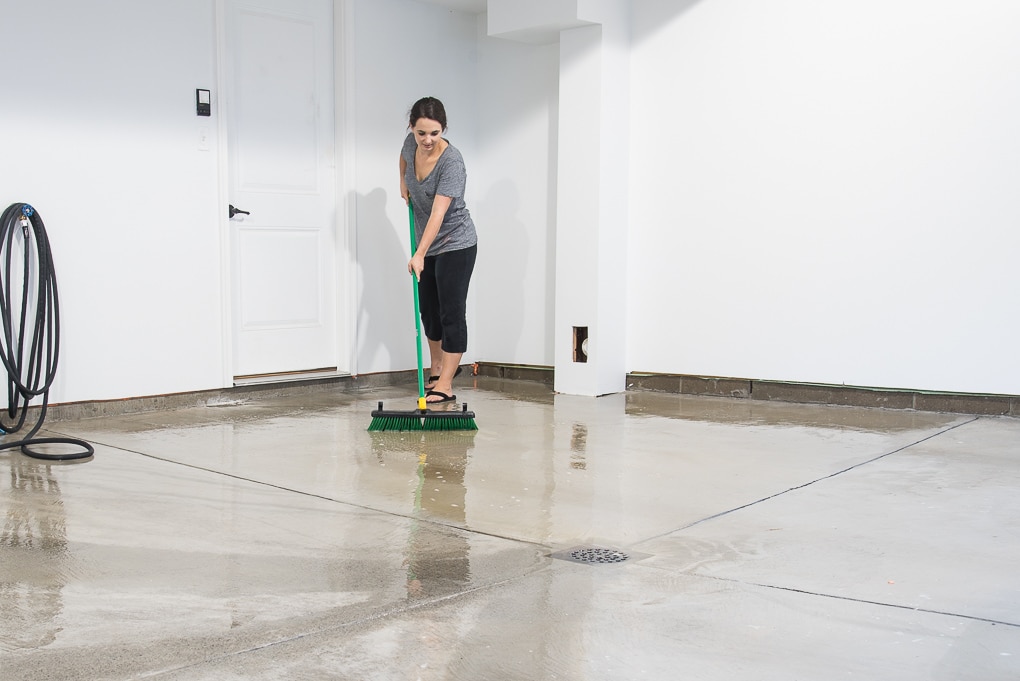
(503, 271)
(386, 306)
(657, 14)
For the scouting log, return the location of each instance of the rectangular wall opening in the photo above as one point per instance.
(580, 344)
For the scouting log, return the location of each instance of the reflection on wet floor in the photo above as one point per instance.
(278, 538)
(578, 446)
(33, 542)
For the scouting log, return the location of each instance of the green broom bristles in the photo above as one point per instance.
(380, 423)
(449, 424)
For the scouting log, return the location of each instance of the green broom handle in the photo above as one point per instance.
(417, 311)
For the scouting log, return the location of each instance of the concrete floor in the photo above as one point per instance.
(278, 539)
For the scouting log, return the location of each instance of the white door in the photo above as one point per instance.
(280, 139)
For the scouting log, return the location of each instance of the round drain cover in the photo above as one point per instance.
(597, 555)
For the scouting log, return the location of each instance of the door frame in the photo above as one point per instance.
(346, 206)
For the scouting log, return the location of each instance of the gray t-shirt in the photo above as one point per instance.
(448, 178)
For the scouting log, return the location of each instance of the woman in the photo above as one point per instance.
(433, 178)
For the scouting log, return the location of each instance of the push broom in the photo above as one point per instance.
(421, 418)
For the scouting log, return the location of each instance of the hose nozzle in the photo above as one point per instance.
(26, 212)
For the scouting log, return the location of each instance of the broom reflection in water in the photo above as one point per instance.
(436, 555)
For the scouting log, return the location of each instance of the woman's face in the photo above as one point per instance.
(427, 133)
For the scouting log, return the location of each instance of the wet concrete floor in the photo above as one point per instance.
(278, 539)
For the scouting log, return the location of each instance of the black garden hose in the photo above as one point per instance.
(30, 340)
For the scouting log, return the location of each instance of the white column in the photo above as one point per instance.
(591, 215)
(592, 180)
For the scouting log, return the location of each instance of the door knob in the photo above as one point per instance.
(235, 211)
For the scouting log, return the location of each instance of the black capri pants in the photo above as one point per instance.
(442, 294)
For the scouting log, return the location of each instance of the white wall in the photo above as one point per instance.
(104, 141)
(827, 192)
(821, 192)
(501, 101)
(405, 50)
(513, 201)
(98, 131)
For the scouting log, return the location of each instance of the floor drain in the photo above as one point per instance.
(594, 555)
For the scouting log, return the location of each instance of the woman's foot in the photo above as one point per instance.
(433, 380)
(430, 381)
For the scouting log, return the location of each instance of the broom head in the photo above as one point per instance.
(422, 419)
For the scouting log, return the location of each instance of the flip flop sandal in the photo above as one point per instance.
(444, 397)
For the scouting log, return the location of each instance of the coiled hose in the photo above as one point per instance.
(30, 340)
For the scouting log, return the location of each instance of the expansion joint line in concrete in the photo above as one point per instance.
(809, 483)
(865, 601)
(321, 497)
